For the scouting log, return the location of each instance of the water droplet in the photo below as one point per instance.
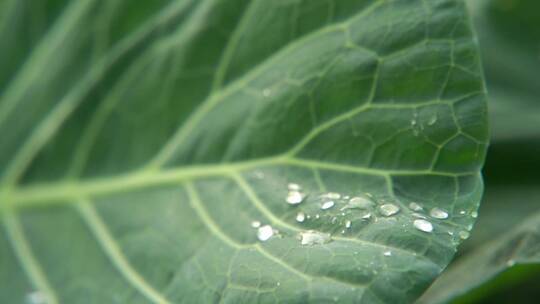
(346, 197)
(334, 220)
(317, 216)
(293, 187)
(419, 215)
(332, 195)
(388, 209)
(415, 206)
(295, 197)
(359, 202)
(36, 297)
(265, 232)
(366, 216)
(474, 214)
(266, 92)
(300, 217)
(510, 263)
(438, 213)
(342, 231)
(464, 235)
(348, 224)
(387, 253)
(311, 237)
(327, 205)
(432, 120)
(255, 224)
(423, 225)
(462, 212)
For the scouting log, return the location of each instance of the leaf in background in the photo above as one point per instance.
(509, 35)
(482, 272)
(141, 141)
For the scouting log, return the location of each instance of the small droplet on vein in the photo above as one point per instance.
(300, 217)
(327, 205)
(423, 225)
(438, 213)
(388, 209)
(312, 237)
(265, 232)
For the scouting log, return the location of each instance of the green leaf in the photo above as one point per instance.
(141, 140)
(498, 265)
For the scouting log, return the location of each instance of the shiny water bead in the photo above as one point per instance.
(312, 237)
(295, 197)
(415, 206)
(464, 235)
(327, 205)
(438, 213)
(300, 217)
(265, 232)
(388, 209)
(255, 224)
(423, 225)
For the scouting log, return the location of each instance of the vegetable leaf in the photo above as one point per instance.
(235, 151)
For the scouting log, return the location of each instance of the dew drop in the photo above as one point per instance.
(265, 232)
(366, 216)
(464, 235)
(293, 187)
(255, 224)
(423, 225)
(266, 92)
(312, 237)
(474, 214)
(327, 205)
(332, 195)
(348, 224)
(415, 206)
(419, 215)
(359, 202)
(510, 263)
(334, 220)
(36, 297)
(438, 213)
(462, 212)
(300, 217)
(388, 209)
(317, 216)
(387, 253)
(432, 120)
(295, 197)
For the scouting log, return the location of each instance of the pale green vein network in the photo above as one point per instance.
(26, 257)
(114, 252)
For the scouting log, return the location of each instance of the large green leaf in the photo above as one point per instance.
(141, 140)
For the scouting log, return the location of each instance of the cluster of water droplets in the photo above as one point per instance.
(418, 126)
(347, 209)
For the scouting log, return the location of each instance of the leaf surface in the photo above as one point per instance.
(141, 141)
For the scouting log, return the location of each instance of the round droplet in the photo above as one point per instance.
(464, 235)
(415, 206)
(432, 120)
(419, 215)
(366, 216)
(359, 202)
(438, 213)
(462, 212)
(387, 253)
(266, 92)
(295, 197)
(423, 225)
(327, 205)
(300, 217)
(265, 232)
(388, 209)
(36, 297)
(332, 195)
(255, 224)
(474, 214)
(311, 237)
(348, 224)
(511, 263)
(293, 187)
(317, 216)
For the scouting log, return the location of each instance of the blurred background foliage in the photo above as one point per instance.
(500, 263)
